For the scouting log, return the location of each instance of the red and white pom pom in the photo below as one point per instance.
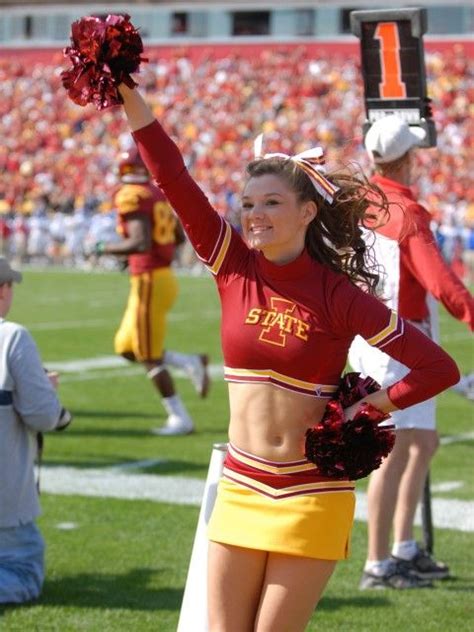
(353, 448)
(104, 53)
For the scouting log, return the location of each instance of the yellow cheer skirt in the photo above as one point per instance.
(283, 507)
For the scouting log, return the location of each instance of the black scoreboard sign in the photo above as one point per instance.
(393, 66)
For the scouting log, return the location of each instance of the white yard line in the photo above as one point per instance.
(97, 271)
(104, 322)
(136, 465)
(447, 514)
(102, 375)
(111, 483)
(93, 369)
(216, 371)
(100, 297)
(467, 436)
(69, 324)
(455, 337)
(447, 486)
(87, 364)
(118, 482)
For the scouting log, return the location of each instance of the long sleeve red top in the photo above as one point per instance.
(289, 325)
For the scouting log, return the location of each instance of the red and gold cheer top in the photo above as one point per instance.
(289, 325)
(145, 200)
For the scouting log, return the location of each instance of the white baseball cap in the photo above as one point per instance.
(390, 137)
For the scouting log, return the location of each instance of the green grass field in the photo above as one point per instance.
(117, 564)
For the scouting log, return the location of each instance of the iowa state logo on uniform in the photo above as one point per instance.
(277, 322)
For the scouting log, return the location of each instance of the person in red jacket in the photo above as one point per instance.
(412, 271)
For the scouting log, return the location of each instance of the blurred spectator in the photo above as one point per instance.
(5, 228)
(298, 98)
(39, 237)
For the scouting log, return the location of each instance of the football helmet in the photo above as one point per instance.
(131, 167)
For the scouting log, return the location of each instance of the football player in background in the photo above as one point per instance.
(150, 233)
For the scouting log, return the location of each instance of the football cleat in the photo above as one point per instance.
(175, 425)
(198, 374)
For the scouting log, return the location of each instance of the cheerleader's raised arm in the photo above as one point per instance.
(213, 239)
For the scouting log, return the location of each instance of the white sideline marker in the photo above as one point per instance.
(193, 614)
(467, 436)
(135, 465)
(447, 486)
(92, 323)
(108, 482)
(85, 369)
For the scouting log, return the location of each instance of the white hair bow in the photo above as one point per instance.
(311, 161)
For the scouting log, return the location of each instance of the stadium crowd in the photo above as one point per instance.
(58, 161)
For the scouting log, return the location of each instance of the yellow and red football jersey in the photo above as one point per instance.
(136, 200)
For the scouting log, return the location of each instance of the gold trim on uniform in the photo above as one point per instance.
(215, 267)
(387, 331)
(269, 466)
(269, 375)
(293, 490)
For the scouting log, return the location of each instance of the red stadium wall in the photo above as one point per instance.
(196, 51)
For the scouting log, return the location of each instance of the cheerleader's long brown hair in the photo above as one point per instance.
(334, 237)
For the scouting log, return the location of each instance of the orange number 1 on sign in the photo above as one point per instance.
(392, 86)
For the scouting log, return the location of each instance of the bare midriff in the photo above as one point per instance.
(270, 422)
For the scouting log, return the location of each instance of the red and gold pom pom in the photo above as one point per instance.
(104, 53)
(353, 448)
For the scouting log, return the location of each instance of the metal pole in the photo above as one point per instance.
(427, 517)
